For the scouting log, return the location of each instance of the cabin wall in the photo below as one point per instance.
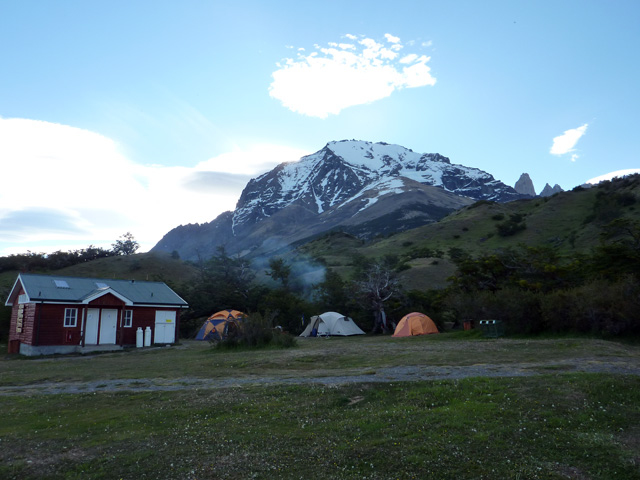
(50, 329)
(22, 325)
(143, 317)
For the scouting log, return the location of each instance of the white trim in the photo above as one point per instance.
(103, 292)
(124, 318)
(75, 318)
(160, 305)
(9, 303)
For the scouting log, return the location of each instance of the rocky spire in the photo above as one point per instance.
(547, 191)
(524, 185)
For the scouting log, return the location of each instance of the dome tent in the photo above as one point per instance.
(217, 326)
(331, 323)
(415, 323)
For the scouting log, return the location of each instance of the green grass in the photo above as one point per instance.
(558, 424)
(547, 427)
(313, 356)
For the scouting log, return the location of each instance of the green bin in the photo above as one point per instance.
(492, 328)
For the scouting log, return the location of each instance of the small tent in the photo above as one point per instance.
(415, 323)
(217, 326)
(331, 323)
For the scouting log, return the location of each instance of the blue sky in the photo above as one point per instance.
(142, 115)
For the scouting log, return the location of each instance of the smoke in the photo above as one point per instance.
(305, 272)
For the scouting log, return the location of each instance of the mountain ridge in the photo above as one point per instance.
(341, 185)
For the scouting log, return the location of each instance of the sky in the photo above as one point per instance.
(139, 116)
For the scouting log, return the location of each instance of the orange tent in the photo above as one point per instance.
(415, 323)
(217, 325)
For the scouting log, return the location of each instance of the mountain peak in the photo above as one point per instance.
(351, 177)
(547, 191)
(524, 185)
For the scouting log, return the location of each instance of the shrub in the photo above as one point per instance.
(512, 226)
(480, 203)
(598, 307)
(256, 331)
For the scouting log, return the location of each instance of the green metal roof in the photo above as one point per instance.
(56, 288)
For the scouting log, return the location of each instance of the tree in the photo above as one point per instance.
(332, 293)
(377, 285)
(279, 270)
(225, 282)
(126, 245)
(619, 251)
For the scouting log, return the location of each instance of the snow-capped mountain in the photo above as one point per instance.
(344, 171)
(348, 184)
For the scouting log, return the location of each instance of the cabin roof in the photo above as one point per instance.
(61, 289)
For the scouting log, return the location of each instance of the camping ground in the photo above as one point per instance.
(446, 406)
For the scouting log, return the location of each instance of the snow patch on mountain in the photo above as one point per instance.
(346, 170)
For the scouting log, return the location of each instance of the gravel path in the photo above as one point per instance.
(620, 366)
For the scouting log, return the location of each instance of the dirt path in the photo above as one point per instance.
(620, 366)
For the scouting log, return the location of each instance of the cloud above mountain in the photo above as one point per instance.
(565, 143)
(612, 175)
(65, 184)
(356, 71)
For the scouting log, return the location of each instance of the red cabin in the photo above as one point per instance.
(54, 314)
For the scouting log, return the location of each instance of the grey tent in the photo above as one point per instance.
(331, 323)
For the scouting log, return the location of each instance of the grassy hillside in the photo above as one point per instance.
(142, 266)
(570, 222)
(156, 266)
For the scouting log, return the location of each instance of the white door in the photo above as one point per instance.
(108, 324)
(91, 327)
(165, 331)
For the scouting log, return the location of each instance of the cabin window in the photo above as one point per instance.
(70, 317)
(128, 318)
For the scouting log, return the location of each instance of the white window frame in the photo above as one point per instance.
(70, 314)
(127, 319)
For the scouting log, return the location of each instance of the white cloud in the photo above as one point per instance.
(391, 39)
(252, 161)
(412, 57)
(611, 175)
(70, 187)
(566, 142)
(330, 79)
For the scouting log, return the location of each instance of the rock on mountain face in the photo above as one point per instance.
(547, 191)
(524, 185)
(368, 188)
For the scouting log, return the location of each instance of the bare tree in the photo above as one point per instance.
(378, 284)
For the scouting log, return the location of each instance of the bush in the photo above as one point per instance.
(599, 307)
(515, 224)
(256, 331)
(519, 310)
